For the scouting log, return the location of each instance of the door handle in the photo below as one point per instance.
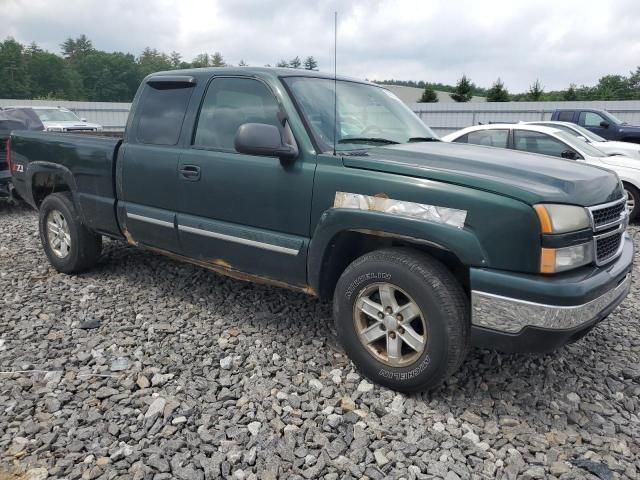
(190, 172)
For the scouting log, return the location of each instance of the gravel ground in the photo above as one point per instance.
(191, 375)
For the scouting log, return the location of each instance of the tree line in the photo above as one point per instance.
(609, 87)
(82, 72)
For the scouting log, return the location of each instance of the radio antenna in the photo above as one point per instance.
(335, 81)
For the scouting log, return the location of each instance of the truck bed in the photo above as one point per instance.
(87, 162)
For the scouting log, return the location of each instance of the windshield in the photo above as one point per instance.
(367, 114)
(612, 118)
(578, 145)
(55, 115)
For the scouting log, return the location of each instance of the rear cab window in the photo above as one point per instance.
(161, 111)
(566, 116)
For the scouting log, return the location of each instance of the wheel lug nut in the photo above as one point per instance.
(399, 317)
(380, 315)
(392, 334)
(383, 327)
(400, 330)
(388, 310)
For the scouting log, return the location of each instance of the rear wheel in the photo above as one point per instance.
(633, 200)
(402, 318)
(69, 245)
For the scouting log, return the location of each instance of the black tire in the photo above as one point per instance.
(436, 292)
(85, 246)
(632, 193)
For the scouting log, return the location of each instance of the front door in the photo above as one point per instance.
(243, 212)
(592, 121)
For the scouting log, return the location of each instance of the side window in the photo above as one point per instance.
(489, 138)
(565, 116)
(161, 112)
(536, 142)
(228, 103)
(590, 119)
(462, 138)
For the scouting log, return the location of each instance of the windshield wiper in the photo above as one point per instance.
(367, 140)
(423, 139)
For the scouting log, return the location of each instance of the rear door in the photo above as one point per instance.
(243, 212)
(148, 163)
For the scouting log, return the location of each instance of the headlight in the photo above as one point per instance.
(558, 218)
(54, 129)
(554, 260)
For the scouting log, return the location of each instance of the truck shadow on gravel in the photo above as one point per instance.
(517, 377)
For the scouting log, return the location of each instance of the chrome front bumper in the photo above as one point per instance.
(511, 315)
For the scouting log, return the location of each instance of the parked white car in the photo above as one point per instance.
(611, 147)
(59, 119)
(554, 142)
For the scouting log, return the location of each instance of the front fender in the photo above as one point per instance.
(460, 241)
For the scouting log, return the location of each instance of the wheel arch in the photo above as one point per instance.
(344, 235)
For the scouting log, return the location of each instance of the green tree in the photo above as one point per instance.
(217, 60)
(614, 87)
(498, 92)
(202, 60)
(50, 76)
(429, 95)
(570, 93)
(175, 59)
(151, 60)
(464, 90)
(536, 90)
(295, 62)
(282, 64)
(14, 72)
(109, 77)
(74, 49)
(310, 63)
(243, 63)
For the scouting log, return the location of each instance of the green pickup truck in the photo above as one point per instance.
(424, 247)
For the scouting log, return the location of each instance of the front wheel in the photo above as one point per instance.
(69, 245)
(633, 200)
(402, 318)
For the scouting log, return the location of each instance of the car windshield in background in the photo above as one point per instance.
(53, 115)
(613, 119)
(367, 115)
(579, 145)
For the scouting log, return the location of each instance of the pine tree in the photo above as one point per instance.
(243, 63)
(497, 92)
(463, 90)
(310, 63)
(283, 64)
(570, 93)
(429, 95)
(536, 90)
(295, 62)
(217, 60)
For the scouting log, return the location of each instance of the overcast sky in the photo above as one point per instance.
(557, 41)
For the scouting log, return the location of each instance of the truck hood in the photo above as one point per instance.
(528, 177)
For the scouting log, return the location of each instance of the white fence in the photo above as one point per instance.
(443, 118)
(446, 118)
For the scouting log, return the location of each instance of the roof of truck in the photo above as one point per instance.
(258, 72)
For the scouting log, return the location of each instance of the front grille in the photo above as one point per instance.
(606, 215)
(607, 247)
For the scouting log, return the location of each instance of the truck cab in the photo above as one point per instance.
(600, 122)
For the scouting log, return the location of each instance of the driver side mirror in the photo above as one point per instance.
(264, 140)
(569, 154)
(604, 124)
